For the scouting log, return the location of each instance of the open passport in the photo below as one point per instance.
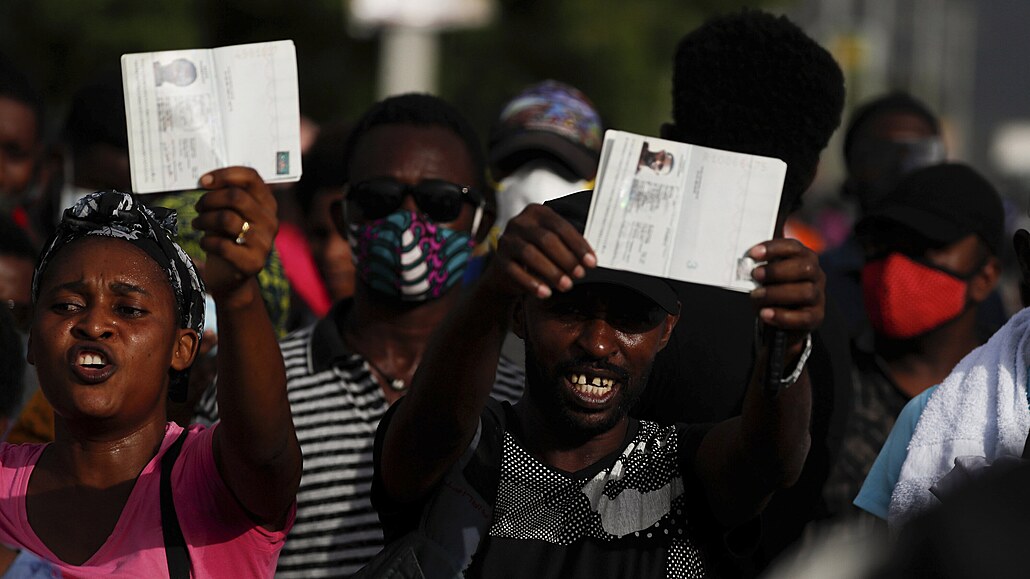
(192, 111)
(681, 211)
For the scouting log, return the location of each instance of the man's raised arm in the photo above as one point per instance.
(539, 253)
(745, 459)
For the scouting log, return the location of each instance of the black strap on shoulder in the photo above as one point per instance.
(175, 544)
(484, 471)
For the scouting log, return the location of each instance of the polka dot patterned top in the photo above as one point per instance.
(635, 503)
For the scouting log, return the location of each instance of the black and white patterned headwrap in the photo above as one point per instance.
(121, 216)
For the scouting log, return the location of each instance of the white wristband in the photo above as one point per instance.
(800, 367)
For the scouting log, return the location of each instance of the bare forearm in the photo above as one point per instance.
(776, 433)
(256, 441)
(538, 254)
(743, 461)
(255, 446)
(439, 417)
(750, 457)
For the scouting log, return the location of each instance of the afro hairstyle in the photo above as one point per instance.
(420, 110)
(755, 83)
(892, 103)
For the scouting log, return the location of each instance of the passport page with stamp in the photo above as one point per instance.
(681, 211)
(193, 111)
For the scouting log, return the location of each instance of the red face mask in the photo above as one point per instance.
(905, 298)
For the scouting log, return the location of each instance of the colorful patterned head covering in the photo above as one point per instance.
(548, 117)
(122, 216)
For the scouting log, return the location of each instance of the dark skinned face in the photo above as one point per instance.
(330, 249)
(589, 353)
(962, 258)
(422, 178)
(16, 288)
(19, 147)
(886, 147)
(411, 154)
(106, 334)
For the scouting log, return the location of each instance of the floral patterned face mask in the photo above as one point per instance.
(409, 256)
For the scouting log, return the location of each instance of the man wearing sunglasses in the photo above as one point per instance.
(411, 240)
(414, 207)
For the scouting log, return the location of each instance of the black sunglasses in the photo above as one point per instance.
(440, 200)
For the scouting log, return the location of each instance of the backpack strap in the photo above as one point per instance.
(483, 472)
(175, 544)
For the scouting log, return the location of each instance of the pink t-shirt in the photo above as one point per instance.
(221, 538)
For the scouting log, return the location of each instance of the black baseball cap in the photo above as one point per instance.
(943, 203)
(574, 208)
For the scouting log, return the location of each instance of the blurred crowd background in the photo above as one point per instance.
(962, 57)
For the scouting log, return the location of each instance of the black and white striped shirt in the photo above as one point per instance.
(337, 405)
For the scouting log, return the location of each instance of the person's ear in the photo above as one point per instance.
(187, 344)
(668, 325)
(518, 318)
(985, 280)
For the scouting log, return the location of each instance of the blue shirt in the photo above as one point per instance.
(875, 496)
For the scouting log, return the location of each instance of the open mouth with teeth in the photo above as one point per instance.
(91, 360)
(91, 366)
(592, 388)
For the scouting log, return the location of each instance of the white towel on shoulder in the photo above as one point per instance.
(979, 410)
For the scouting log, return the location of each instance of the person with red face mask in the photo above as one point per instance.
(931, 260)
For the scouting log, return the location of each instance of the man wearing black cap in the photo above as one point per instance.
(886, 138)
(565, 483)
(931, 260)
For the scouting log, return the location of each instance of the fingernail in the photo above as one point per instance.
(206, 180)
(757, 252)
(758, 293)
(590, 260)
(767, 314)
(565, 283)
(579, 272)
(543, 292)
(758, 274)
